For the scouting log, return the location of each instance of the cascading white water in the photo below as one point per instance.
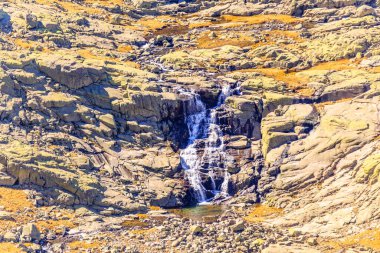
(196, 114)
(202, 124)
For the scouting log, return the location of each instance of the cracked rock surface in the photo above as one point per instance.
(95, 99)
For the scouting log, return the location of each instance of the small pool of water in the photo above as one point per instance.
(197, 213)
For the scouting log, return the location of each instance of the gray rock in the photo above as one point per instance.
(30, 233)
(32, 21)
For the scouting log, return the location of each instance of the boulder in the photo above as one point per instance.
(6, 216)
(6, 180)
(30, 233)
(32, 21)
(108, 120)
(71, 72)
(238, 227)
(3, 14)
(57, 100)
(365, 10)
(196, 230)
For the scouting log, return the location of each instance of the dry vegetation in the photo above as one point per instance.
(14, 200)
(8, 247)
(368, 239)
(320, 106)
(156, 23)
(261, 19)
(338, 65)
(23, 212)
(293, 82)
(100, 56)
(241, 40)
(261, 213)
(83, 246)
(71, 7)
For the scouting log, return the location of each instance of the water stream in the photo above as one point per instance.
(205, 162)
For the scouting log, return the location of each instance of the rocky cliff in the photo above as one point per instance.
(274, 102)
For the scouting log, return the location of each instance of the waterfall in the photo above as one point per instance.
(195, 115)
(203, 126)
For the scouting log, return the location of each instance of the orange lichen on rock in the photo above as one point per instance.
(321, 106)
(108, 3)
(143, 231)
(279, 34)
(344, 64)
(261, 19)
(200, 24)
(14, 200)
(154, 208)
(71, 7)
(262, 212)
(83, 246)
(55, 224)
(293, 82)
(368, 238)
(125, 48)
(374, 70)
(89, 54)
(156, 23)
(134, 223)
(241, 40)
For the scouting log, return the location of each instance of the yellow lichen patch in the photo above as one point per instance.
(83, 246)
(9, 248)
(261, 19)
(369, 239)
(262, 212)
(370, 170)
(14, 200)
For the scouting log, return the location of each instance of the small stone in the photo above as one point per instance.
(196, 230)
(176, 242)
(31, 21)
(221, 238)
(294, 232)
(312, 241)
(212, 35)
(238, 227)
(258, 242)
